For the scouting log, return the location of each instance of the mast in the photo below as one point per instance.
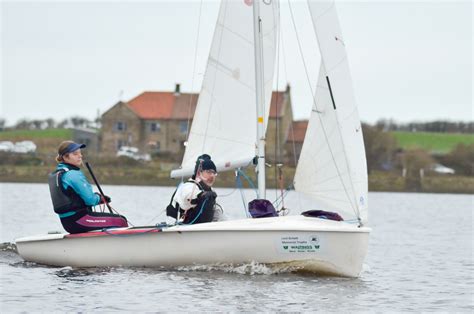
(259, 93)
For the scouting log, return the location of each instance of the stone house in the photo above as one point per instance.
(295, 140)
(87, 136)
(158, 123)
(154, 122)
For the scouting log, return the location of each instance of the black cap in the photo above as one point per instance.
(204, 162)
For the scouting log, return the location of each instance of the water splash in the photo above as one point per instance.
(8, 247)
(71, 272)
(252, 268)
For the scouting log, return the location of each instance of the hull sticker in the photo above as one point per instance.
(299, 244)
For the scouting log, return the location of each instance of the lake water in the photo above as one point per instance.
(420, 259)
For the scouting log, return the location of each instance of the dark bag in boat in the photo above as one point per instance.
(262, 208)
(322, 214)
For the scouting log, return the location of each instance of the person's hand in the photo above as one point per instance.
(208, 194)
(106, 198)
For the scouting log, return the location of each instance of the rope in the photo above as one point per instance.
(278, 201)
(252, 185)
(239, 185)
(197, 216)
(116, 212)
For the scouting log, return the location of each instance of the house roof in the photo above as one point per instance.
(153, 105)
(298, 131)
(169, 105)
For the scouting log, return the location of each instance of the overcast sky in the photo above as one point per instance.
(409, 60)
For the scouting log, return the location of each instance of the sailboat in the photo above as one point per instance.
(229, 124)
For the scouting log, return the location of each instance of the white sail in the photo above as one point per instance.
(332, 168)
(225, 121)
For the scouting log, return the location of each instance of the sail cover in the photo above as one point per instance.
(332, 167)
(225, 121)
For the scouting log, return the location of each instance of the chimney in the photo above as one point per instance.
(288, 88)
(177, 91)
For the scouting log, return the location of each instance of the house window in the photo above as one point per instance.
(120, 126)
(120, 143)
(155, 127)
(183, 127)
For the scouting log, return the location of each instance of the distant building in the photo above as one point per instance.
(87, 136)
(295, 141)
(158, 123)
(154, 122)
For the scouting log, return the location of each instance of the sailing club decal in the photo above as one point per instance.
(299, 244)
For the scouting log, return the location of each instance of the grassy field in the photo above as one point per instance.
(432, 142)
(20, 135)
(46, 141)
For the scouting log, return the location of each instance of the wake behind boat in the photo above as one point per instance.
(305, 243)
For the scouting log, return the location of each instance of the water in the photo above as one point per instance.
(420, 259)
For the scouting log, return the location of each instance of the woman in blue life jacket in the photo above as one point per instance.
(73, 197)
(195, 199)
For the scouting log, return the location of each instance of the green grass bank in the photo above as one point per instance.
(439, 143)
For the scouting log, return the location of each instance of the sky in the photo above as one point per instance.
(410, 60)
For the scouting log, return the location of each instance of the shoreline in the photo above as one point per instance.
(154, 176)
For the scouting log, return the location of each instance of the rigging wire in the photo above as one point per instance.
(356, 210)
(277, 156)
(194, 73)
(211, 104)
(293, 144)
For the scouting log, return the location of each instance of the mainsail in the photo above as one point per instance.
(225, 121)
(332, 167)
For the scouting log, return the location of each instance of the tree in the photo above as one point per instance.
(461, 159)
(37, 124)
(412, 162)
(380, 147)
(22, 124)
(415, 159)
(2, 124)
(79, 121)
(62, 124)
(50, 123)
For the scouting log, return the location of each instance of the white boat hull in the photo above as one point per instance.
(308, 244)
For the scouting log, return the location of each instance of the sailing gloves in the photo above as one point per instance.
(208, 194)
(106, 198)
(204, 195)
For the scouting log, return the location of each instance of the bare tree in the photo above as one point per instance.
(461, 158)
(50, 123)
(23, 124)
(79, 121)
(37, 124)
(380, 147)
(62, 124)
